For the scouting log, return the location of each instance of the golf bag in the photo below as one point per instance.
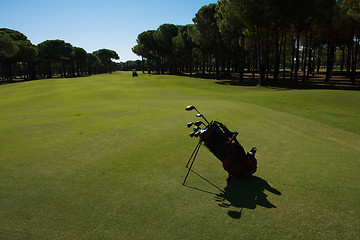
(224, 145)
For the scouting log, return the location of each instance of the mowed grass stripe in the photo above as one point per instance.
(335, 108)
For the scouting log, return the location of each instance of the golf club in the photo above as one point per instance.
(198, 123)
(196, 129)
(191, 107)
(190, 124)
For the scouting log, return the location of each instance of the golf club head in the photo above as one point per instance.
(198, 123)
(189, 108)
(190, 124)
(192, 134)
(199, 115)
(196, 129)
(197, 134)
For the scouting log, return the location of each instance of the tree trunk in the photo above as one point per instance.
(242, 58)
(261, 56)
(284, 58)
(142, 65)
(305, 50)
(32, 71)
(78, 68)
(254, 59)
(203, 61)
(330, 61)
(221, 56)
(216, 55)
(310, 69)
(354, 62)
(191, 62)
(292, 60)
(342, 58)
(319, 60)
(49, 69)
(63, 71)
(297, 56)
(277, 56)
(229, 57)
(348, 62)
(267, 54)
(210, 63)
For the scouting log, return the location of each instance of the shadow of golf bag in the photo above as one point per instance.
(223, 144)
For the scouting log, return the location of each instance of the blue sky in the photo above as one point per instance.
(95, 24)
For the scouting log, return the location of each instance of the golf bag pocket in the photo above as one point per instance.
(237, 163)
(216, 141)
(244, 168)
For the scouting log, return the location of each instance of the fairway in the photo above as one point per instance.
(103, 157)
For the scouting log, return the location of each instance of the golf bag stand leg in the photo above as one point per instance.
(192, 157)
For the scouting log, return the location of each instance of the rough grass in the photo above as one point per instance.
(103, 157)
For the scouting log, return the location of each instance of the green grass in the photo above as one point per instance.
(103, 157)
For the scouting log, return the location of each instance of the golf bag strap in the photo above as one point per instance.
(230, 134)
(234, 136)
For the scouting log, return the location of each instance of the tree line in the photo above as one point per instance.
(20, 58)
(272, 38)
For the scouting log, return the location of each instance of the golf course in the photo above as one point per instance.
(103, 157)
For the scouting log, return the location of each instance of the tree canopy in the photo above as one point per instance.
(261, 37)
(106, 56)
(19, 57)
